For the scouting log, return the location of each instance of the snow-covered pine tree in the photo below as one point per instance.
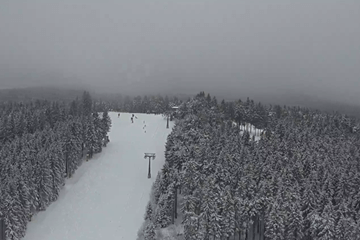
(149, 231)
(295, 221)
(15, 217)
(137, 107)
(98, 132)
(275, 223)
(148, 212)
(228, 213)
(86, 104)
(57, 161)
(206, 212)
(71, 147)
(156, 188)
(24, 182)
(90, 137)
(191, 227)
(325, 224)
(74, 108)
(106, 123)
(45, 183)
(346, 228)
(163, 211)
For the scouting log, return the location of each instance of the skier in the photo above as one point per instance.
(132, 120)
(118, 115)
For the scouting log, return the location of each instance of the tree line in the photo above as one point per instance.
(146, 104)
(300, 181)
(41, 143)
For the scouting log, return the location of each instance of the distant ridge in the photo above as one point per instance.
(288, 98)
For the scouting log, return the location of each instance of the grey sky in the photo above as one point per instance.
(228, 47)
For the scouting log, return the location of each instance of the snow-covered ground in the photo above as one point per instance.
(107, 196)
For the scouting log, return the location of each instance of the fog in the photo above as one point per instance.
(261, 49)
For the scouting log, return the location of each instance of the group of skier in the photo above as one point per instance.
(132, 120)
(132, 117)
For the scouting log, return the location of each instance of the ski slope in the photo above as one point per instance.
(107, 196)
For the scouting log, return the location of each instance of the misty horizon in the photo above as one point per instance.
(230, 48)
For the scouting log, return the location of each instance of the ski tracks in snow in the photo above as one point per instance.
(107, 196)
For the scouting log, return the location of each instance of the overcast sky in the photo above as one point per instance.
(230, 47)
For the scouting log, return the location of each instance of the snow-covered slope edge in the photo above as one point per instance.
(106, 197)
(191, 196)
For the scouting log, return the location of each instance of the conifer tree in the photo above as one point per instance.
(149, 233)
(149, 212)
(86, 104)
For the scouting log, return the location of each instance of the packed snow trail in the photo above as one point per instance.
(107, 196)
